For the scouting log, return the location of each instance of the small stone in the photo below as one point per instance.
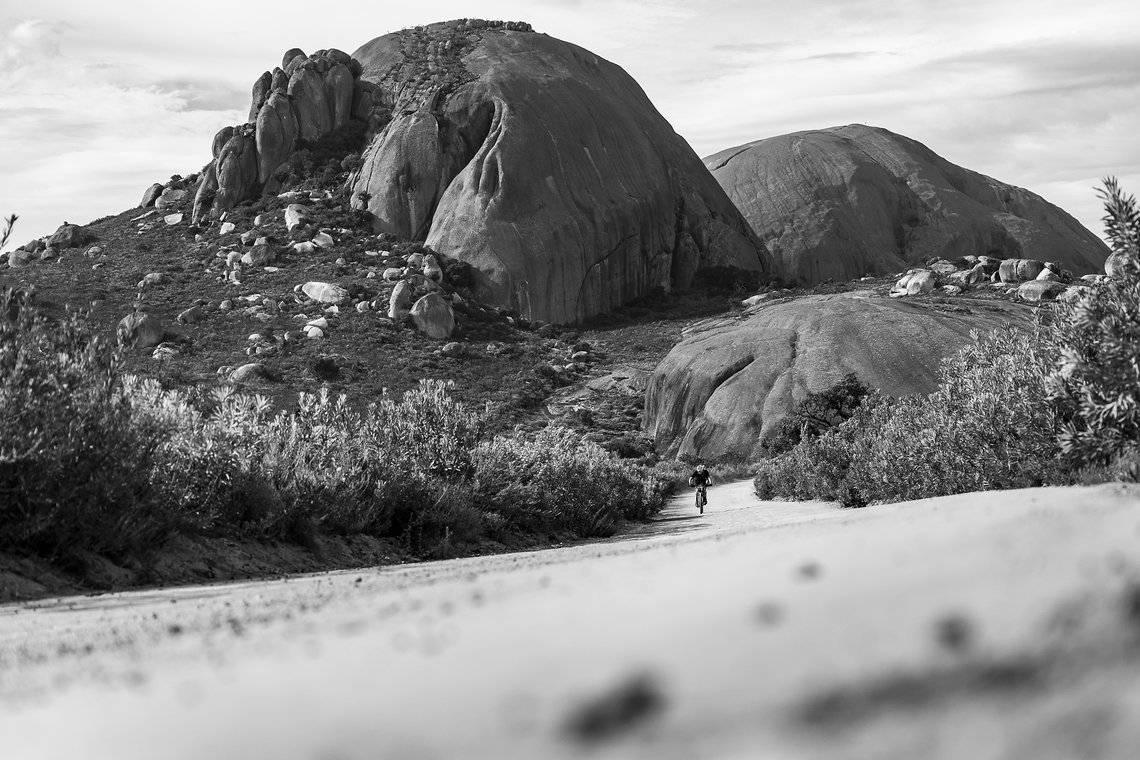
(151, 280)
(314, 332)
(325, 292)
(295, 215)
(433, 316)
(172, 219)
(139, 330)
(251, 372)
(431, 269)
(363, 306)
(227, 228)
(304, 247)
(192, 315)
(323, 240)
(452, 349)
(225, 305)
(165, 351)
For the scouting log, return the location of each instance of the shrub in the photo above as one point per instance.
(817, 413)
(558, 480)
(989, 425)
(75, 467)
(1097, 342)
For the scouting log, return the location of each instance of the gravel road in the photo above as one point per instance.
(995, 625)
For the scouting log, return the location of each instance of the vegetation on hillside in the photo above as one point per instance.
(96, 460)
(1058, 405)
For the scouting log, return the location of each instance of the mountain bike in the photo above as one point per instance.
(702, 498)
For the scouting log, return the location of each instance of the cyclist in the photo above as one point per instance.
(701, 479)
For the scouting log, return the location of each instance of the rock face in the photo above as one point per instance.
(544, 166)
(844, 202)
(729, 380)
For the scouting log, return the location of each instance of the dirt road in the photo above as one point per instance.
(998, 625)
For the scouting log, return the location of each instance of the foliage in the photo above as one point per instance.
(1097, 341)
(986, 426)
(74, 466)
(9, 223)
(817, 413)
(93, 460)
(558, 480)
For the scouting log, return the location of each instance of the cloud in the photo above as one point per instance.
(203, 94)
(847, 55)
(83, 136)
(28, 44)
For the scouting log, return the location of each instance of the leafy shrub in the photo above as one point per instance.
(987, 426)
(817, 413)
(75, 467)
(558, 480)
(1097, 341)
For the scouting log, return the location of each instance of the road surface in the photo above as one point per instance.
(997, 625)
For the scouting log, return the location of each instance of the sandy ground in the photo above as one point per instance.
(997, 625)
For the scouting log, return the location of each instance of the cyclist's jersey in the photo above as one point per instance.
(699, 478)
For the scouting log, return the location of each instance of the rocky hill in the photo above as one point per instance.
(841, 203)
(545, 167)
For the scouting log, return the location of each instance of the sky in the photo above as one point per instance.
(99, 100)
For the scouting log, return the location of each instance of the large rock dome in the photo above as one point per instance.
(544, 166)
(840, 203)
(730, 379)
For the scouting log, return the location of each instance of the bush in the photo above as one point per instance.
(75, 467)
(817, 413)
(987, 426)
(558, 480)
(1097, 340)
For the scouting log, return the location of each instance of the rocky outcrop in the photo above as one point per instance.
(729, 380)
(69, 236)
(306, 98)
(545, 167)
(845, 202)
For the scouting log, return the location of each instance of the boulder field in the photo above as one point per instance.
(730, 379)
(844, 202)
(544, 166)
